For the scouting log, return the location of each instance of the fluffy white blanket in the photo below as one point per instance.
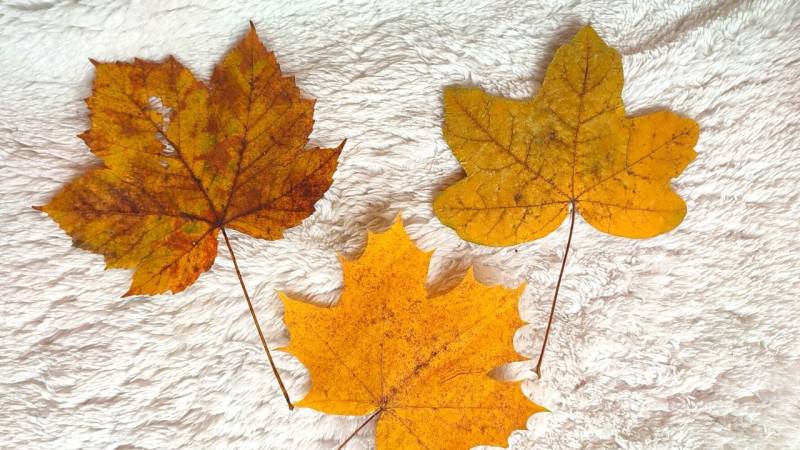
(688, 340)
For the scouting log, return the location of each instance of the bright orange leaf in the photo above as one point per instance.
(183, 159)
(419, 365)
(528, 160)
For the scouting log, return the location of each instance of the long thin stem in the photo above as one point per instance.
(538, 369)
(354, 433)
(255, 320)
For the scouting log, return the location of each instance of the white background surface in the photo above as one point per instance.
(688, 340)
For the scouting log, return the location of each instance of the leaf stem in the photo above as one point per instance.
(538, 368)
(354, 433)
(255, 320)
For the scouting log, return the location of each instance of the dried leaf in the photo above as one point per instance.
(181, 159)
(527, 160)
(419, 364)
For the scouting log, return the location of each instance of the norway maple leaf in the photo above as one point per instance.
(183, 160)
(528, 161)
(418, 365)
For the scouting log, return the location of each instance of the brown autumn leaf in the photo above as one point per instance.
(183, 159)
(418, 365)
(528, 162)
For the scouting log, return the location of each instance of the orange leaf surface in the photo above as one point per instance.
(528, 160)
(182, 159)
(420, 365)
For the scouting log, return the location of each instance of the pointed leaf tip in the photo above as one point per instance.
(252, 32)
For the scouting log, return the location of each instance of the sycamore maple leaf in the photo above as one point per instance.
(528, 161)
(183, 160)
(420, 366)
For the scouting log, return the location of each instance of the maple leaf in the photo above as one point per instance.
(527, 161)
(420, 366)
(183, 160)
(570, 148)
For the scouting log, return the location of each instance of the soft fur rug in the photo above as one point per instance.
(687, 341)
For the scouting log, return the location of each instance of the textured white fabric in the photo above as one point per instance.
(689, 340)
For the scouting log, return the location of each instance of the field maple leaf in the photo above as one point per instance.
(418, 365)
(184, 160)
(529, 163)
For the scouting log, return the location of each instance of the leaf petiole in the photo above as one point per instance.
(363, 424)
(555, 295)
(255, 320)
